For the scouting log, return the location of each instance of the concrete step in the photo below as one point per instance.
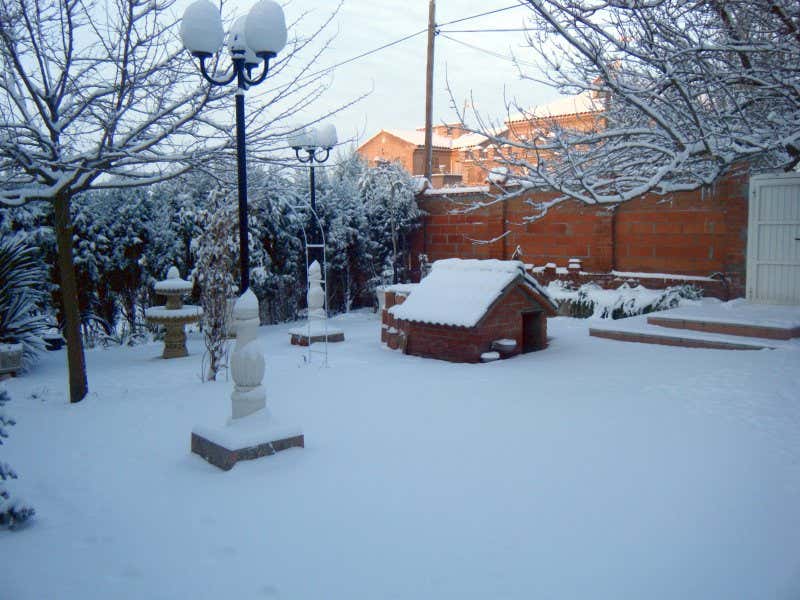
(676, 340)
(737, 318)
(640, 330)
(741, 329)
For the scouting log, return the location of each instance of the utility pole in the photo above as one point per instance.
(429, 92)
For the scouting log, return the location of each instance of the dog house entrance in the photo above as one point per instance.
(533, 336)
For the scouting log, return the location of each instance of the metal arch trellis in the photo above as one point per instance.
(310, 352)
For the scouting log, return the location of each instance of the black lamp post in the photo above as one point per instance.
(314, 146)
(254, 38)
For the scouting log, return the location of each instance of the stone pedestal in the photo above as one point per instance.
(174, 340)
(244, 439)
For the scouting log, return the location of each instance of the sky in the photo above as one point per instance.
(396, 75)
(394, 78)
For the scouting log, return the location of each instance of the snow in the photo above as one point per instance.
(315, 328)
(639, 275)
(630, 299)
(401, 288)
(562, 106)
(445, 191)
(738, 312)
(593, 469)
(173, 285)
(253, 430)
(469, 140)
(638, 324)
(498, 175)
(163, 313)
(417, 137)
(458, 292)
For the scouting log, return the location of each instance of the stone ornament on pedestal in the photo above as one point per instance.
(247, 361)
(251, 432)
(317, 328)
(174, 315)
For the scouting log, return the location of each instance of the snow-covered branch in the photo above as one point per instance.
(683, 93)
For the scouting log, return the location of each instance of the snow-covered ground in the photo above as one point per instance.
(592, 470)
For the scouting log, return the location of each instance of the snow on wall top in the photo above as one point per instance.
(458, 291)
(451, 190)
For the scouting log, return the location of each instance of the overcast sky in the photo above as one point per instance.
(395, 76)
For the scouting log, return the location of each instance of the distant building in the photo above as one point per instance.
(463, 158)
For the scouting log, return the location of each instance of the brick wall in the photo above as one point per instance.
(688, 233)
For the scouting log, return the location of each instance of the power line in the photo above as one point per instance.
(484, 30)
(483, 14)
(367, 53)
(408, 37)
(490, 52)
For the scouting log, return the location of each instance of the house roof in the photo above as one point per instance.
(417, 138)
(458, 292)
(560, 107)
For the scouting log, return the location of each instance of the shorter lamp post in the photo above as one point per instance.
(252, 39)
(314, 146)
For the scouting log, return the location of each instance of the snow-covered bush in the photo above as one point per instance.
(126, 239)
(13, 511)
(392, 213)
(22, 277)
(590, 300)
(216, 264)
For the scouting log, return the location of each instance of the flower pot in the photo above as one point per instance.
(10, 359)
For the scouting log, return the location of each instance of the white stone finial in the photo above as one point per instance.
(173, 273)
(314, 272)
(316, 295)
(247, 361)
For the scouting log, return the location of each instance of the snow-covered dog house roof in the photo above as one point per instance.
(459, 292)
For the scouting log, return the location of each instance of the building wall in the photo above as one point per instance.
(390, 148)
(688, 233)
(442, 161)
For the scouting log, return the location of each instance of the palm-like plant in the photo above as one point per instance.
(22, 279)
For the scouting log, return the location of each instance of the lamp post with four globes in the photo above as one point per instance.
(253, 39)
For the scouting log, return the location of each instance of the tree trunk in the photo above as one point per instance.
(76, 363)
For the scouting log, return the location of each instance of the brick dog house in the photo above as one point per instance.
(467, 308)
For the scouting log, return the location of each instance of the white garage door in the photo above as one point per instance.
(773, 239)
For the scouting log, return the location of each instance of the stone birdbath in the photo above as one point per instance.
(174, 315)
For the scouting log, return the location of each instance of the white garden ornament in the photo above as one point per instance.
(251, 432)
(247, 361)
(317, 328)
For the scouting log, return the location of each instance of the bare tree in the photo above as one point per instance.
(101, 94)
(216, 266)
(684, 91)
